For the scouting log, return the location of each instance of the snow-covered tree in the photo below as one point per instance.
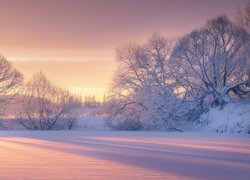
(45, 105)
(143, 92)
(212, 61)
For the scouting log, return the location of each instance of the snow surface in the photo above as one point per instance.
(233, 118)
(123, 155)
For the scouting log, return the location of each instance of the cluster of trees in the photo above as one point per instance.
(167, 85)
(90, 101)
(161, 84)
(93, 107)
(43, 105)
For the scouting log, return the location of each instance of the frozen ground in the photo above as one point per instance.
(123, 155)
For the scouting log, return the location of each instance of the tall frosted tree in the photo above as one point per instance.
(212, 61)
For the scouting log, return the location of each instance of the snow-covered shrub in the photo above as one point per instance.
(64, 124)
(125, 116)
(153, 111)
(130, 124)
(168, 113)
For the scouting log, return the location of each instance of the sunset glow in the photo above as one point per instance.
(73, 42)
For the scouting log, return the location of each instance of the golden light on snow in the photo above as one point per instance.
(121, 155)
(33, 158)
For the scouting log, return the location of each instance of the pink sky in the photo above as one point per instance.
(36, 34)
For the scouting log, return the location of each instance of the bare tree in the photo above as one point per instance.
(46, 105)
(10, 81)
(212, 61)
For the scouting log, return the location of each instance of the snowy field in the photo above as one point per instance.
(123, 155)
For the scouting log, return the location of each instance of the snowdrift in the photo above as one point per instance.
(233, 118)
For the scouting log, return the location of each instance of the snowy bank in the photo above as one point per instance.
(233, 118)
